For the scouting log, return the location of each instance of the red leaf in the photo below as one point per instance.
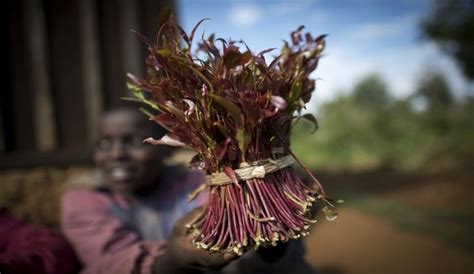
(266, 51)
(231, 56)
(231, 174)
(164, 119)
(195, 28)
(222, 149)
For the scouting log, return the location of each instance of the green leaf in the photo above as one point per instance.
(310, 118)
(137, 92)
(143, 101)
(329, 213)
(139, 97)
(232, 108)
(131, 99)
(295, 92)
(146, 112)
(164, 52)
(243, 138)
(222, 129)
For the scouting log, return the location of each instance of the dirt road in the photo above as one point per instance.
(360, 243)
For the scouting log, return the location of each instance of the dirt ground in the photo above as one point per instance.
(358, 242)
(406, 224)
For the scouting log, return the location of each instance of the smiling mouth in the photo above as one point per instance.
(121, 174)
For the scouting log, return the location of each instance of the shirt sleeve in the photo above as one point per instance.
(102, 242)
(26, 248)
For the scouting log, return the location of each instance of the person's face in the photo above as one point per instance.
(128, 164)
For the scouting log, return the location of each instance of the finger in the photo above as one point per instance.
(219, 259)
(230, 256)
(182, 225)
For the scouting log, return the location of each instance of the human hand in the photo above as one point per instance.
(182, 256)
(272, 254)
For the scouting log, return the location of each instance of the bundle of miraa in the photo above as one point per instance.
(236, 111)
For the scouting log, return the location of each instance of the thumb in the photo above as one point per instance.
(229, 256)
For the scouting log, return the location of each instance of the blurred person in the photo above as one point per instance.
(133, 220)
(30, 249)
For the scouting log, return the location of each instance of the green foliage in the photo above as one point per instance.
(450, 23)
(371, 92)
(370, 129)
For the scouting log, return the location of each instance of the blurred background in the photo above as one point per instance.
(394, 102)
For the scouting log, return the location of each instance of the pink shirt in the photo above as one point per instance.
(105, 242)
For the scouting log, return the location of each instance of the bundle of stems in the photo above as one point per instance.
(236, 111)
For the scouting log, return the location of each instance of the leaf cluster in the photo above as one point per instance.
(225, 101)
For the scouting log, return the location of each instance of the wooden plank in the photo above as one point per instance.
(21, 130)
(132, 46)
(66, 72)
(111, 47)
(91, 66)
(43, 109)
(6, 140)
(35, 159)
(122, 51)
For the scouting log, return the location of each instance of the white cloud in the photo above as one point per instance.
(248, 14)
(280, 8)
(381, 29)
(244, 15)
(347, 61)
(401, 68)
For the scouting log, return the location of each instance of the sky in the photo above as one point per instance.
(365, 37)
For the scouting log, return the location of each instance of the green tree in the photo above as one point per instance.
(355, 132)
(368, 128)
(371, 92)
(436, 93)
(450, 23)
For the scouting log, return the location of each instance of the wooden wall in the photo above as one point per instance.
(66, 62)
